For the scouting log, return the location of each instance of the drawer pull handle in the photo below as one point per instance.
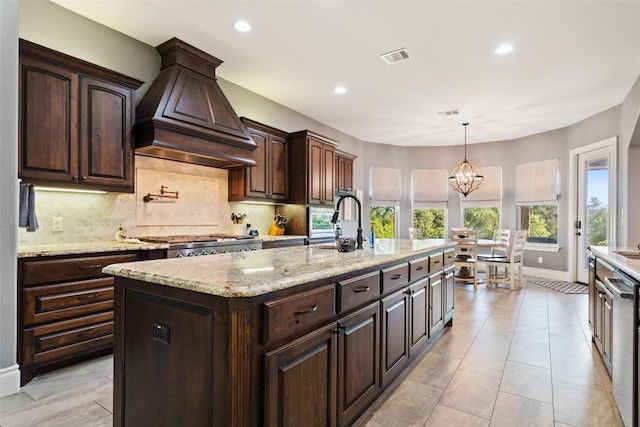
(418, 268)
(361, 289)
(91, 295)
(311, 310)
(90, 267)
(396, 276)
(436, 262)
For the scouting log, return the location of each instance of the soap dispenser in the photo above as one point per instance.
(121, 234)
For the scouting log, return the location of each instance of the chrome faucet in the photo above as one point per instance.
(334, 219)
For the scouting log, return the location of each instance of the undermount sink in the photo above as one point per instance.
(629, 254)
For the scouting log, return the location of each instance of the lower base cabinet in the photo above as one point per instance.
(336, 367)
(395, 335)
(436, 314)
(300, 384)
(419, 303)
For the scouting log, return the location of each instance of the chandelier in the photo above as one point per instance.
(465, 177)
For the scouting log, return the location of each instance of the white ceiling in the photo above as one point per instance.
(572, 59)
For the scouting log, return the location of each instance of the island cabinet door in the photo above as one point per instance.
(419, 298)
(436, 314)
(449, 293)
(358, 362)
(300, 383)
(395, 335)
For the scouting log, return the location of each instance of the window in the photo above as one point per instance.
(383, 221)
(485, 220)
(430, 223)
(541, 221)
(429, 194)
(537, 200)
(385, 192)
(481, 208)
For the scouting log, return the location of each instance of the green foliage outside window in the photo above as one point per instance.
(484, 220)
(383, 221)
(541, 221)
(430, 222)
(597, 222)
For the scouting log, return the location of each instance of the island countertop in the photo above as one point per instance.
(248, 274)
(631, 266)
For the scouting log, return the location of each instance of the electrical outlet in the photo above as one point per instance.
(539, 260)
(56, 224)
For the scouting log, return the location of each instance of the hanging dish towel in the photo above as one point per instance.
(27, 212)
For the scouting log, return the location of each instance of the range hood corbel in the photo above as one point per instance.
(184, 115)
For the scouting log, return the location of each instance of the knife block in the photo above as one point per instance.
(274, 230)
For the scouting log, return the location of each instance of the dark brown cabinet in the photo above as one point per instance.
(395, 335)
(75, 122)
(65, 308)
(268, 180)
(300, 386)
(312, 163)
(436, 314)
(358, 362)
(419, 303)
(344, 171)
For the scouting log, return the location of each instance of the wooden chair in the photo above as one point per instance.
(512, 264)
(501, 250)
(466, 255)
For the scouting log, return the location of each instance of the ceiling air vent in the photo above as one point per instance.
(448, 113)
(395, 56)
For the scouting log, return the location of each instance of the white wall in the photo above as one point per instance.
(9, 374)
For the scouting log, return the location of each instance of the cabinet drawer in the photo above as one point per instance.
(419, 268)
(291, 316)
(395, 277)
(358, 290)
(436, 262)
(449, 257)
(65, 300)
(48, 271)
(60, 340)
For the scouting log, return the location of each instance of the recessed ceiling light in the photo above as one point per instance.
(503, 49)
(242, 26)
(340, 90)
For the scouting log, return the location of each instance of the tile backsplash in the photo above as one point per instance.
(201, 208)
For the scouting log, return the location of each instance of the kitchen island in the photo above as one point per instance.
(289, 336)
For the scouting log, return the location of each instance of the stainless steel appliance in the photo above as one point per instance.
(624, 362)
(187, 246)
(319, 223)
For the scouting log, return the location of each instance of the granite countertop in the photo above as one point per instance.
(267, 238)
(248, 274)
(628, 265)
(80, 248)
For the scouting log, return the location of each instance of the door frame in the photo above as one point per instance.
(611, 143)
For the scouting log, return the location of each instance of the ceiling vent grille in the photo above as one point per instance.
(448, 113)
(395, 56)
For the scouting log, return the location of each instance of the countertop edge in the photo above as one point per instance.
(627, 265)
(261, 284)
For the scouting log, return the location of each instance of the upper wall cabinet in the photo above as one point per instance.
(268, 180)
(312, 163)
(76, 122)
(344, 172)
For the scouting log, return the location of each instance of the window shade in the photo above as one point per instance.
(384, 184)
(491, 187)
(429, 185)
(537, 181)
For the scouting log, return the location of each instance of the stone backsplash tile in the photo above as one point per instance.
(89, 217)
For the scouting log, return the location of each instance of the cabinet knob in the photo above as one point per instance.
(84, 178)
(74, 178)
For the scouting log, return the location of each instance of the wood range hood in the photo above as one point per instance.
(184, 115)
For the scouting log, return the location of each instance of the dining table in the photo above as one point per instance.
(464, 274)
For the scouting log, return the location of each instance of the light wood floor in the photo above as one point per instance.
(511, 359)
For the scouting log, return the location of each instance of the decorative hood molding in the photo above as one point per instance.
(184, 115)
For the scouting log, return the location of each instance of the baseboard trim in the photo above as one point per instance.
(9, 380)
(546, 274)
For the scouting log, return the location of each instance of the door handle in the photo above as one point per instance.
(578, 234)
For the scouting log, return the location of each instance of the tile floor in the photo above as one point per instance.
(520, 358)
